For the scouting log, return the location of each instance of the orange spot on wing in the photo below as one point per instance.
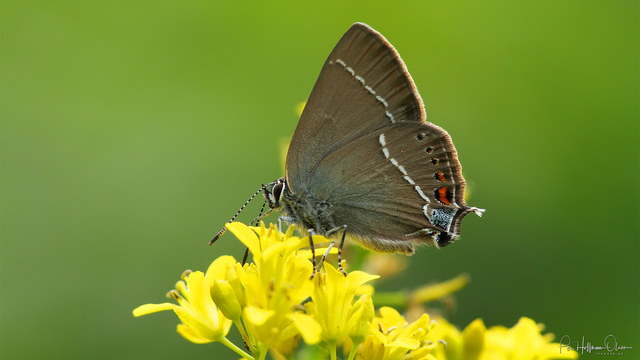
(442, 195)
(440, 176)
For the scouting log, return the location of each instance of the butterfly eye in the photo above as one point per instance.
(273, 193)
(277, 192)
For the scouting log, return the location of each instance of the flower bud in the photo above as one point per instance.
(223, 296)
(360, 318)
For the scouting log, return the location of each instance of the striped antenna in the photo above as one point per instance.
(239, 211)
(254, 223)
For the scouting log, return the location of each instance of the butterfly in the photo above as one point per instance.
(363, 162)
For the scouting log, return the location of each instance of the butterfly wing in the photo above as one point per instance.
(362, 87)
(399, 186)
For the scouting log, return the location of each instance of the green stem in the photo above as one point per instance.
(243, 332)
(333, 351)
(264, 349)
(354, 350)
(233, 347)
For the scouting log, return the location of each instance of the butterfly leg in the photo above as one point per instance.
(285, 219)
(313, 252)
(344, 235)
(324, 256)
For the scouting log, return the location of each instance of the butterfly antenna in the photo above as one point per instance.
(254, 222)
(238, 213)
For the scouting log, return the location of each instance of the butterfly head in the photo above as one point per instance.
(273, 193)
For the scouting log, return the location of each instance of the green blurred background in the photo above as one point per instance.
(131, 131)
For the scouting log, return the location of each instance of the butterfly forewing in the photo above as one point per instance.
(363, 86)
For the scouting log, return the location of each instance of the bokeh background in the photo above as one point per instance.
(131, 131)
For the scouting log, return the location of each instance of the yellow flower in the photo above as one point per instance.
(521, 342)
(273, 303)
(202, 321)
(332, 303)
(273, 287)
(437, 291)
(392, 337)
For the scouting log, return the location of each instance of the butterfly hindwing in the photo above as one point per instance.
(386, 185)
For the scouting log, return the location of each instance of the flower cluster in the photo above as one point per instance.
(275, 305)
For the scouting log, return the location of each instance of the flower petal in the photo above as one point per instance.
(190, 335)
(256, 315)
(152, 308)
(474, 339)
(202, 325)
(358, 278)
(437, 291)
(405, 343)
(246, 236)
(218, 268)
(274, 249)
(308, 327)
